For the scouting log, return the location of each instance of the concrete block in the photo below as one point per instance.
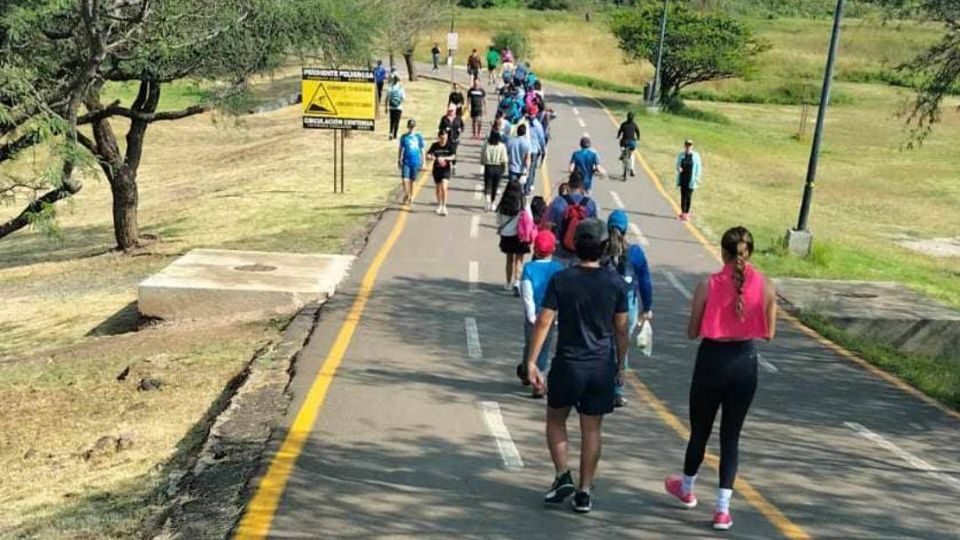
(240, 285)
(885, 312)
(799, 242)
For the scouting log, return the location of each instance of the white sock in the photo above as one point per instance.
(688, 482)
(723, 500)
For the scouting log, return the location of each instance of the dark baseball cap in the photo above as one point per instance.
(591, 231)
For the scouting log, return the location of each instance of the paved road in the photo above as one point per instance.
(403, 443)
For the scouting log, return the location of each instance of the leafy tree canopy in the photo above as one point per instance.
(699, 47)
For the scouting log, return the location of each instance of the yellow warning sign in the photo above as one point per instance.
(338, 99)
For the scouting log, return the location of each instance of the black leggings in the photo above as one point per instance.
(395, 121)
(491, 180)
(686, 197)
(725, 376)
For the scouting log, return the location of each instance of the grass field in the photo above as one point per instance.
(257, 182)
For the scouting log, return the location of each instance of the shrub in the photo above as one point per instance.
(516, 40)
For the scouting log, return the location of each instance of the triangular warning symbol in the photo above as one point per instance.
(321, 103)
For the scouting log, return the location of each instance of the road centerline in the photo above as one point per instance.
(501, 435)
(616, 199)
(672, 278)
(474, 227)
(473, 275)
(918, 464)
(635, 229)
(473, 338)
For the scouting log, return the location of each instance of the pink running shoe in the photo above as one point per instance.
(722, 521)
(674, 486)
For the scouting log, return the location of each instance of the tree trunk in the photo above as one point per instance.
(125, 199)
(411, 67)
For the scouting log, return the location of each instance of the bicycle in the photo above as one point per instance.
(626, 159)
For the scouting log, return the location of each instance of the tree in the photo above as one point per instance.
(58, 56)
(699, 47)
(937, 69)
(404, 23)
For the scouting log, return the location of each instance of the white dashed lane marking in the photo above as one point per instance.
(501, 435)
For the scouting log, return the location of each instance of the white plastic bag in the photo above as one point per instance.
(645, 338)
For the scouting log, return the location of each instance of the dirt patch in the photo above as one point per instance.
(935, 247)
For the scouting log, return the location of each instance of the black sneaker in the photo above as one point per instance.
(582, 503)
(561, 489)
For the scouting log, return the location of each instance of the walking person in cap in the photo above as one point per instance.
(586, 161)
(731, 309)
(688, 177)
(533, 286)
(630, 262)
(410, 159)
(591, 304)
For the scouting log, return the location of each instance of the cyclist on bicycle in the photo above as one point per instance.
(628, 134)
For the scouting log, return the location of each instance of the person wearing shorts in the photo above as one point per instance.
(442, 154)
(410, 159)
(590, 301)
(476, 98)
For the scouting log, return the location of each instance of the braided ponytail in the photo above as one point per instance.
(731, 244)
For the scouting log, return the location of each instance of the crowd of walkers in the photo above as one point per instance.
(587, 289)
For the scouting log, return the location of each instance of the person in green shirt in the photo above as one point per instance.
(493, 65)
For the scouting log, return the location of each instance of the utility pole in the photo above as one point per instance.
(655, 91)
(800, 240)
(453, 18)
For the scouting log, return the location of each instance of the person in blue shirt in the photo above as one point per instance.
(520, 74)
(554, 216)
(410, 159)
(533, 285)
(518, 154)
(586, 161)
(379, 77)
(538, 147)
(630, 261)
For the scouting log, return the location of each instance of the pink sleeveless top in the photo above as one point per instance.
(720, 321)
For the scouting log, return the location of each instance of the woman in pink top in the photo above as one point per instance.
(730, 309)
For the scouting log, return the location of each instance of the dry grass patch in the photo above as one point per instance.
(257, 182)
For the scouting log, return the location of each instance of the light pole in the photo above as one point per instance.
(663, 35)
(800, 240)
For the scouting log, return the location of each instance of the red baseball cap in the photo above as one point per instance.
(545, 244)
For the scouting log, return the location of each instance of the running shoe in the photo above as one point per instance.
(620, 401)
(722, 521)
(674, 486)
(582, 502)
(439, 210)
(443, 211)
(561, 489)
(516, 290)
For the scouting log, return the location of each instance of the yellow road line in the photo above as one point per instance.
(545, 175)
(839, 350)
(755, 498)
(260, 512)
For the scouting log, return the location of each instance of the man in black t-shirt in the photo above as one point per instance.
(477, 97)
(452, 124)
(442, 153)
(456, 99)
(591, 303)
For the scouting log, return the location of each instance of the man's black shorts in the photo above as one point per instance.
(589, 389)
